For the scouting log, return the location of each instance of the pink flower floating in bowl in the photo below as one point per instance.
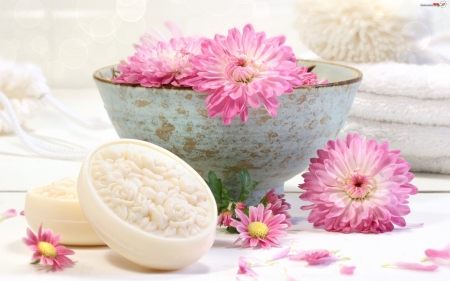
(235, 71)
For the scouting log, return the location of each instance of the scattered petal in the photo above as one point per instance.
(244, 268)
(347, 269)
(10, 213)
(281, 255)
(22, 213)
(413, 266)
(316, 257)
(289, 277)
(441, 257)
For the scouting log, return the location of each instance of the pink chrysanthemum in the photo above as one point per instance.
(261, 227)
(357, 185)
(278, 205)
(245, 68)
(157, 62)
(47, 250)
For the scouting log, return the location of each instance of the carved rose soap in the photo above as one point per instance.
(147, 204)
(56, 206)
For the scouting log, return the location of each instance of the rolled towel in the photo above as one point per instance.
(401, 109)
(426, 148)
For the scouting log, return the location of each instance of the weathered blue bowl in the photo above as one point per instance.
(272, 149)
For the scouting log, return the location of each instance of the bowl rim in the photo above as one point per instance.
(359, 75)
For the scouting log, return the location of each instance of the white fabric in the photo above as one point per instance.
(402, 109)
(23, 90)
(408, 106)
(426, 148)
(24, 85)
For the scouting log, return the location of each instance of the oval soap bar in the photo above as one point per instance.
(56, 206)
(147, 204)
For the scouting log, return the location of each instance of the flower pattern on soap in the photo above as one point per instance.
(63, 189)
(150, 191)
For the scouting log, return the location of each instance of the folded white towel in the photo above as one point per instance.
(426, 148)
(407, 80)
(400, 109)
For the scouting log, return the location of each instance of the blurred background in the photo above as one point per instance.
(401, 46)
(69, 40)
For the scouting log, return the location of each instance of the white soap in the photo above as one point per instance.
(56, 206)
(147, 204)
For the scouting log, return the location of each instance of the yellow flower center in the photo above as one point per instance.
(47, 250)
(258, 229)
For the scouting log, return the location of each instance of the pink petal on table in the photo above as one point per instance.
(441, 257)
(244, 268)
(301, 255)
(10, 213)
(413, 266)
(281, 255)
(431, 253)
(22, 213)
(347, 269)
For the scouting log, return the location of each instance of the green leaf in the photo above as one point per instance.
(35, 262)
(247, 185)
(216, 187)
(232, 230)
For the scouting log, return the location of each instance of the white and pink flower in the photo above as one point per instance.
(247, 68)
(357, 185)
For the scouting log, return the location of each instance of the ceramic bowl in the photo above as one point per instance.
(272, 149)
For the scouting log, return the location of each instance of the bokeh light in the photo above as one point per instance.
(415, 36)
(73, 53)
(8, 54)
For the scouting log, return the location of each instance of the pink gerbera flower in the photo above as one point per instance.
(245, 68)
(357, 185)
(261, 227)
(47, 250)
(160, 62)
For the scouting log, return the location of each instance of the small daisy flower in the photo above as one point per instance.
(357, 185)
(261, 227)
(46, 249)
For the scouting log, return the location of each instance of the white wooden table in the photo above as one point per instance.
(21, 170)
